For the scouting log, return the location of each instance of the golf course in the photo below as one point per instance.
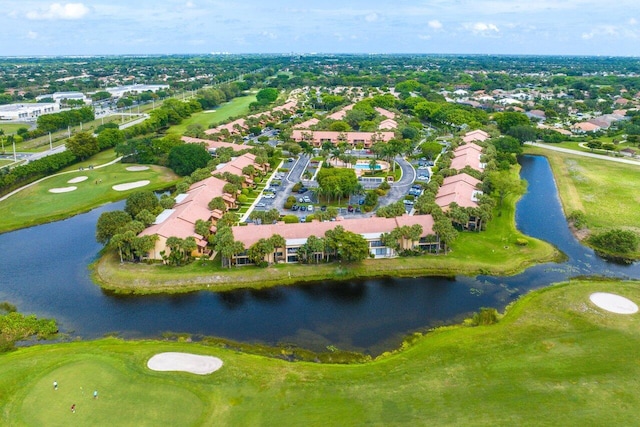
(555, 358)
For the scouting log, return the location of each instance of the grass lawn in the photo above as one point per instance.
(36, 205)
(607, 192)
(554, 359)
(235, 107)
(12, 128)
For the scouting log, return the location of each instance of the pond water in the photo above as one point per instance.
(44, 271)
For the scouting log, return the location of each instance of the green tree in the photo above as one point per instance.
(110, 138)
(109, 223)
(141, 200)
(502, 184)
(83, 145)
(267, 96)
(616, 241)
(186, 158)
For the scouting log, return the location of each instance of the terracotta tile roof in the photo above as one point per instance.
(476, 135)
(386, 113)
(351, 137)
(467, 155)
(339, 115)
(307, 124)
(388, 124)
(214, 144)
(236, 165)
(459, 188)
(299, 232)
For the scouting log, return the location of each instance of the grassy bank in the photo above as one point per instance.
(491, 252)
(236, 107)
(607, 192)
(554, 359)
(37, 205)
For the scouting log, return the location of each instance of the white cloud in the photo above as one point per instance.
(424, 37)
(60, 11)
(482, 28)
(435, 24)
(32, 35)
(189, 5)
(269, 35)
(372, 17)
(600, 31)
(632, 21)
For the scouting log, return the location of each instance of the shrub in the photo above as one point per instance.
(521, 241)
(616, 241)
(486, 316)
(290, 219)
(242, 198)
(578, 219)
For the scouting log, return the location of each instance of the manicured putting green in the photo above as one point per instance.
(120, 401)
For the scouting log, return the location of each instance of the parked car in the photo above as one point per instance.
(310, 208)
(407, 202)
(358, 210)
(350, 208)
(260, 205)
(303, 190)
(323, 208)
(295, 208)
(306, 199)
(303, 208)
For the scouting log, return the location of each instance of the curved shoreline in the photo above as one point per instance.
(141, 279)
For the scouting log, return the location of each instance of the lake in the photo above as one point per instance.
(44, 271)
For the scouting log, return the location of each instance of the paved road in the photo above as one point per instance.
(399, 189)
(583, 154)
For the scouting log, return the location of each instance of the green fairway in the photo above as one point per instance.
(36, 204)
(554, 359)
(235, 107)
(607, 192)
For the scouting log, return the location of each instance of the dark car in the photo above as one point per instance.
(323, 208)
(295, 208)
(303, 208)
(350, 208)
(303, 190)
(358, 210)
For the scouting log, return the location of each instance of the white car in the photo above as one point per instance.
(310, 208)
(260, 205)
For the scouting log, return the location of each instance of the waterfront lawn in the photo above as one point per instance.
(554, 359)
(36, 205)
(236, 107)
(607, 192)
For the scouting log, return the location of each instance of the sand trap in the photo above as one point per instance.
(77, 179)
(184, 362)
(209, 111)
(614, 303)
(130, 185)
(137, 168)
(62, 189)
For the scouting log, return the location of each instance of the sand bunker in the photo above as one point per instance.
(209, 111)
(184, 362)
(62, 189)
(613, 303)
(77, 179)
(130, 185)
(137, 168)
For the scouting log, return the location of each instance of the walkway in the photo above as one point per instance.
(5, 197)
(583, 154)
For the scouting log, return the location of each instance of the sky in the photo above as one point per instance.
(531, 27)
